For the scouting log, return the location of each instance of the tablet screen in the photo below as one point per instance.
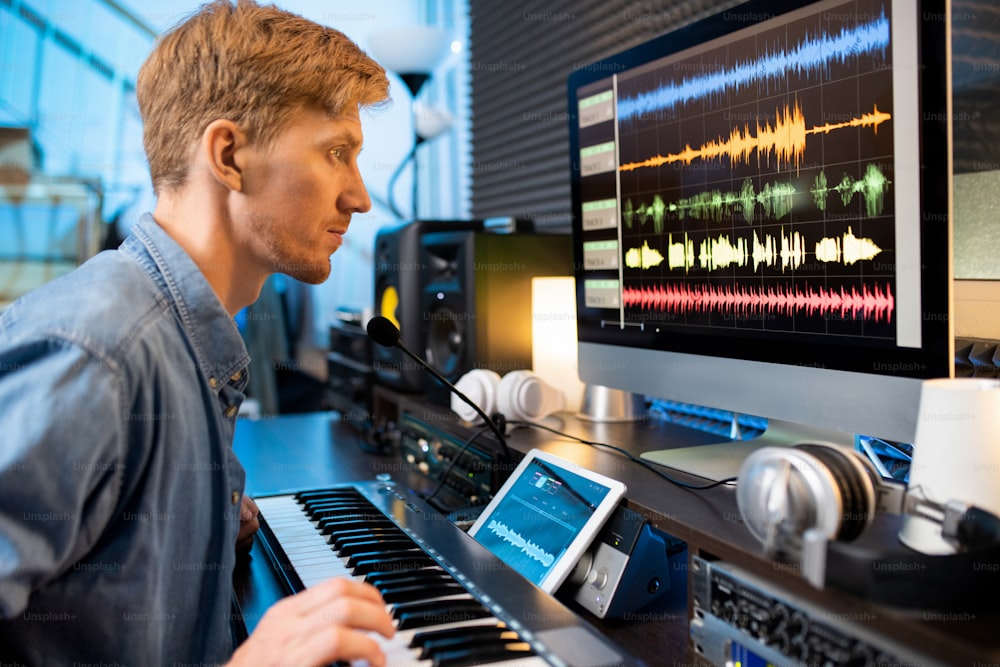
(545, 517)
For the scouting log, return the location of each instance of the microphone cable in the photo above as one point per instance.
(632, 457)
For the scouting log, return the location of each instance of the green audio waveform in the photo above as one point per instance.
(775, 199)
(872, 186)
(643, 213)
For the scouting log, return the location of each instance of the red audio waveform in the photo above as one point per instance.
(786, 140)
(875, 304)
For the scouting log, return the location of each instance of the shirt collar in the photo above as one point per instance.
(220, 350)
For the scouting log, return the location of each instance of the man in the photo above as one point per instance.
(120, 497)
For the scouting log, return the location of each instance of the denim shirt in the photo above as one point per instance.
(119, 490)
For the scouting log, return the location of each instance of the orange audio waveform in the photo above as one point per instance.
(786, 140)
(872, 120)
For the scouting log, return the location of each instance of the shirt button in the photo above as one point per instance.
(231, 411)
(236, 376)
(236, 497)
(213, 383)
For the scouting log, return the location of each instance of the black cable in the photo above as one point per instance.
(391, 187)
(384, 331)
(630, 456)
(444, 477)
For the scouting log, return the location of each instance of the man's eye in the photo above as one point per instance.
(336, 152)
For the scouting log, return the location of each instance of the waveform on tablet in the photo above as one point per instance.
(810, 54)
(527, 547)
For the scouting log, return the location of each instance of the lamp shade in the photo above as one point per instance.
(413, 50)
(956, 454)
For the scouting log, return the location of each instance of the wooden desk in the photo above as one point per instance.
(305, 451)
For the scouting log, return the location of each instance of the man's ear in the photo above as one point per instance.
(220, 142)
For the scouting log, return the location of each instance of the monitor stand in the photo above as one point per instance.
(722, 461)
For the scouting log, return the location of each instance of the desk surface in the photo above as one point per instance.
(295, 452)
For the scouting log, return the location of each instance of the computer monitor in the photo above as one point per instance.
(761, 206)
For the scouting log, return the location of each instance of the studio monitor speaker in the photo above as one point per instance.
(399, 275)
(475, 300)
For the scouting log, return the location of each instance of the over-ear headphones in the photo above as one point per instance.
(804, 487)
(519, 395)
(812, 501)
(480, 385)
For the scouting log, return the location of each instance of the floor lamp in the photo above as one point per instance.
(413, 53)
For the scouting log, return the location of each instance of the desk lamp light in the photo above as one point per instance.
(554, 359)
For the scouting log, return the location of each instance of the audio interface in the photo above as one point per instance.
(472, 472)
(739, 619)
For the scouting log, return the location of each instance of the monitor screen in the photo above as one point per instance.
(761, 206)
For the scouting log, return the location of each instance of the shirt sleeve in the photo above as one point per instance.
(60, 462)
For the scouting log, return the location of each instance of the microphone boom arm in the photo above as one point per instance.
(386, 334)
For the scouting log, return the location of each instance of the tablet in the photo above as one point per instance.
(545, 516)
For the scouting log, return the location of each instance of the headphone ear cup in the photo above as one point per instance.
(804, 487)
(856, 488)
(524, 396)
(481, 386)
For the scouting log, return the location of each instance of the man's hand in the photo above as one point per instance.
(320, 625)
(248, 525)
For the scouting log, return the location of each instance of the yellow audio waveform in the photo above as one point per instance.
(643, 258)
(786, 141)
(721, 252)
(847, 249)
(680, 255)
(785, 250)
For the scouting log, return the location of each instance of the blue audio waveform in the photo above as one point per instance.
(810, 54)
(527, 547)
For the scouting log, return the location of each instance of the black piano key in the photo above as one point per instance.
(435, 647)
(453, 646)
(417, 577)
(396, 594)
(317, 512)
(333, 494)
(355, 501)
(480, 656)
(350, 548)
(337, 527)
(404, 563)
(424, 636)
(341, 506)
(361, 505)
(317, 509)
(348, 536)
(386, 556)
(421, 614)
(343, 515)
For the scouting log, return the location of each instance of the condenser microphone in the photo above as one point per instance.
(385, 333)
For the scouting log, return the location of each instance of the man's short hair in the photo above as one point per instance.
(251, 64)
